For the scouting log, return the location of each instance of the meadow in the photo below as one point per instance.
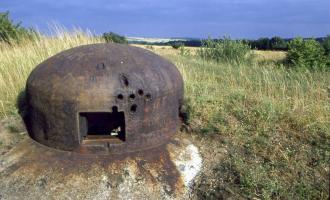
(273, 122)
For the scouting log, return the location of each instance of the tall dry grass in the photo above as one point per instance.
(17, 60)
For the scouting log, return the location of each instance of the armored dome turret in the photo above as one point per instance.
(103, 99)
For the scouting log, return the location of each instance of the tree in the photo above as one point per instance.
(225, 50)
(263, 43)
(326, 45)
(306, 54)
(114, 37)
(177, 44)
(10, 32)
(277, 43)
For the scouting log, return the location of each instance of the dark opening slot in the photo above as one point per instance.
(148, 97)
(103, 125)
(124, 80)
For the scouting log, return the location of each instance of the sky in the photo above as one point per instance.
(178, 18)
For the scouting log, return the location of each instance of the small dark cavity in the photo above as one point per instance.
(132, 96)
(124, 80)
(133, 108)
(148, 97)
(114, 109)
(100, 66)
(140, 92)
(120, 97)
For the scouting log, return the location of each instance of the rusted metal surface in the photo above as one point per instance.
(104, 99)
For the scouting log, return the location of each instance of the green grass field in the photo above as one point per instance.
(274, 123)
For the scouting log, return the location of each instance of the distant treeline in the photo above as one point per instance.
(274, 43)
(187, 43)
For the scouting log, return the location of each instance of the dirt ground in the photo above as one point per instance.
(12, 132)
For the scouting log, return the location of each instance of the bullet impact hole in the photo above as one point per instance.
(132, 96)
(133, 108)
(100, 66)
(120, 97)
(140, 92)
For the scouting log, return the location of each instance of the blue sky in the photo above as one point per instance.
(179, 18)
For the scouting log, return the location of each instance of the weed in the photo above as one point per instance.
(184, 51)
(13, 129)
(113, 37)
(226, 51)
(307, 54)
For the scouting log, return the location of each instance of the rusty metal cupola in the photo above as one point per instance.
(103, 99)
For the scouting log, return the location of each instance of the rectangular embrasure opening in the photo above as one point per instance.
(99, 126)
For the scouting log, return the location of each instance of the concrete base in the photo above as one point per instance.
(34, 171)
